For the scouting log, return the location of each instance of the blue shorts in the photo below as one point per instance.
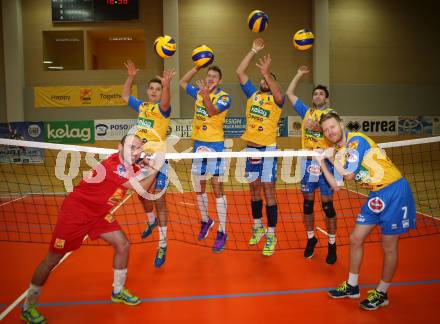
(393, 208)
(314, 178)
(264, 169)
(215, 166)
(162, 177)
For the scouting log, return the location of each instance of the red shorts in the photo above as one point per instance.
(73, 225)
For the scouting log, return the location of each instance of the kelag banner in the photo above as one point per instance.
(79, 96)
(70, 132)
(27, 131)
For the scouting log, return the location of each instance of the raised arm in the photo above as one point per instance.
(263, 65)
(131, 71)
(257, 46)
(290, 92)
(166, 95)
(188, 77)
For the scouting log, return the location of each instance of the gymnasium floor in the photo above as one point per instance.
(195, 285)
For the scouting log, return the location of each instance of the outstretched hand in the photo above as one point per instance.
(264, 64)
(258, 44)
(166, 78)
(303, 70)
(204, 87)
(131, 68)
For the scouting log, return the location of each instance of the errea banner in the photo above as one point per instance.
(70, 132)
(112, 129)
(79, 96)
(372, 125)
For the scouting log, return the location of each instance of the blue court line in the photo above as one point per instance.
(223, 296)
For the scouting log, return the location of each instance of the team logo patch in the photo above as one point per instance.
(121, 171)
(314, 169)
(59, 243)
(203, 149)
(353, 145)
(255, 160)
(352, 156)
(109, 218)
(204, 127)
(260, 128)
(376, 205)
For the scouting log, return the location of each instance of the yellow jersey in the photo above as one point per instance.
(262, 116)
(311, 133)
(204, 127)
(372, 167)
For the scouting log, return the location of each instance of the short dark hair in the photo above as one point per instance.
(216, 69)
(124, 138)
(321, 87)
(328, 116)
(154, 80)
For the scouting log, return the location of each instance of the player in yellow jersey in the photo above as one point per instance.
(263, 111)
(210, 109)
(390, 204)
(312, 138)
(152, 125)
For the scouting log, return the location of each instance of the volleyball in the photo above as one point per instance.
(257, 21)
(303, 39)
(202, 56)
(165, 46)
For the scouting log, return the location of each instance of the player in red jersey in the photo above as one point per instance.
(88, 211)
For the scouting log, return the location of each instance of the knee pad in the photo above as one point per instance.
(308, 206)
(329, 210)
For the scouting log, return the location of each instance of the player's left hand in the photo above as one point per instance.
(204, 88)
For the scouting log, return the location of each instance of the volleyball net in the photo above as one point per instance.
(31, 193)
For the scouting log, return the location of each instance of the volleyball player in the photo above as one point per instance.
(87, 211)
(210, 109)
(390, 204)
(263, 111)
(152, 125)
(312, 138)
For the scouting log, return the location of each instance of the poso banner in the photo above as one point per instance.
(112, 129)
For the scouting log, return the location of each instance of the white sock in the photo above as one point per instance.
(151, 217)
(353, 279)
(120, 275)
(162, 236)
(271, 230)
(383, 286)
(222, 207)
(310, 234)
(202, 201)
(332, 238)
(32, 296)
(257, 222)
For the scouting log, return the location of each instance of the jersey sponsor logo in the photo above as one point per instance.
(360, 219)
(203, 149)
(224, 101)
(59, 243)
(116, 197)
(260, 111)
(200, 110)
(314, 169)
(405, 223)
(144, 122)
(204, 127)
(260, 128)
(313, 133)
(255, 160)
(361, 175)
(376, 205)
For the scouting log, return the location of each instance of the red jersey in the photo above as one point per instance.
(100, 191)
